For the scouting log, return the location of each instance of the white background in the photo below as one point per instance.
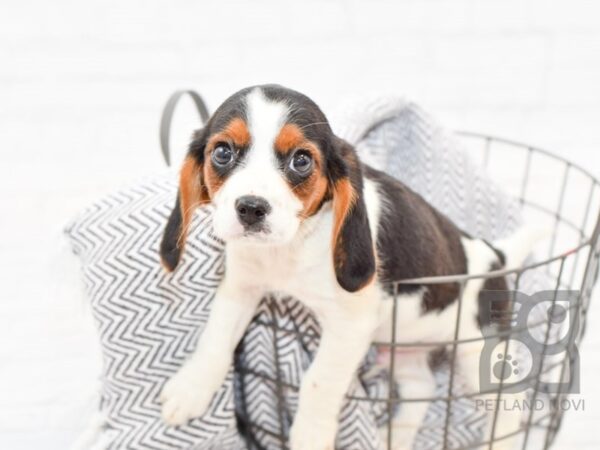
(81, 88)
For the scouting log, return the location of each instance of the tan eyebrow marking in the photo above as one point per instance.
(289, 138)
(236, 131)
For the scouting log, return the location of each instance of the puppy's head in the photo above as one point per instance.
(267, 160)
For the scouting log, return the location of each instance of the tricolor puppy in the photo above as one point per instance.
(301, 215)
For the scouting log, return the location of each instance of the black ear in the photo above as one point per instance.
(353, 251)
(170, 251)
(192, 193)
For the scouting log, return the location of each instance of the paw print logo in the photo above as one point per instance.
(505, 367)
(540, 324)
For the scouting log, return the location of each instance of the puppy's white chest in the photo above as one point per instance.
(304, 270)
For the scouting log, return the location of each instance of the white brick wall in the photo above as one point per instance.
(82, 84)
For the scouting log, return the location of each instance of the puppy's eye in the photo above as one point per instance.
(222, 155)
(301, 162)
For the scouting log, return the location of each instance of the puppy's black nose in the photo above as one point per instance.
(251, 209)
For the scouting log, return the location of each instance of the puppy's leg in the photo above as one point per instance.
(190, 391)
(347, 331)
(412, 372)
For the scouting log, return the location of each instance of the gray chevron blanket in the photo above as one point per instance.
(148, 320)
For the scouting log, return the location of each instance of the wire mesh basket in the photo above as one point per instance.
(551, 191)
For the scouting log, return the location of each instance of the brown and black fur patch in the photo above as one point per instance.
(313, 193)
(312, 190)
(192, 193)
(414, 241)
(237, 136)
(353, 248)
(344, 197)
(198, 180)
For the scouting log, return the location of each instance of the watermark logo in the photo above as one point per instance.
(530, 339)
(528, 404)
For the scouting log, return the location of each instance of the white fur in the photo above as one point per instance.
(297, 260)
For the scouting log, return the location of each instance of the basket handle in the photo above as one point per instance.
(167, 118)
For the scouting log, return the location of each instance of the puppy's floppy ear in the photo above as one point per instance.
(353, 252)
(191, 194)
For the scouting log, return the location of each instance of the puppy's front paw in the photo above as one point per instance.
(184, 396)
(307, 434)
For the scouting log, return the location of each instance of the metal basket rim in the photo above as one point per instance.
(534, 148)
(504, 272)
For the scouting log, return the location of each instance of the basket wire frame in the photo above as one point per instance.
(583, 256)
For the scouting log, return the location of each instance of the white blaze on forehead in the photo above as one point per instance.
(265, 119)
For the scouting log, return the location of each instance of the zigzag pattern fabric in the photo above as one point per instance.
(149, 320)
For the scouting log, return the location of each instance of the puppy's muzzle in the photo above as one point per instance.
(252, 210)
